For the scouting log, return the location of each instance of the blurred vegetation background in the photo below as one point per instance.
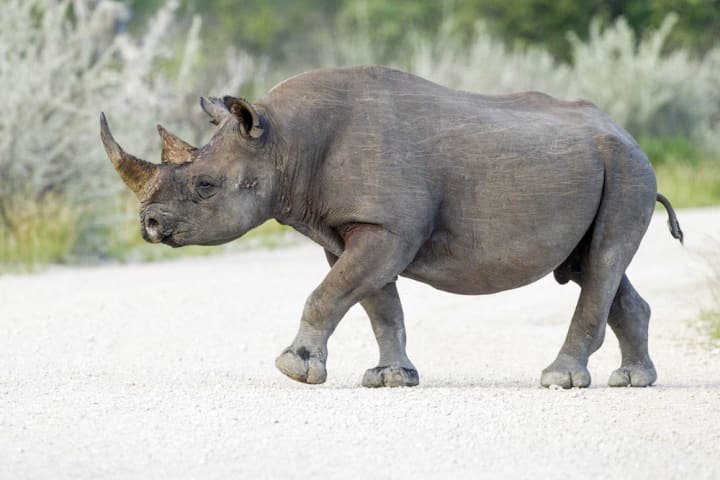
(653, 65)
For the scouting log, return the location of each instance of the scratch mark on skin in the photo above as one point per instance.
(249, 183)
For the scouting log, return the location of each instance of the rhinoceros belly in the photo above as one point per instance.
(500, 238)
(458, 266)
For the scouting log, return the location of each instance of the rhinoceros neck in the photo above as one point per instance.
(300, 141)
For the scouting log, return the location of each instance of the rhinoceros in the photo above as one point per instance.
(391, 175)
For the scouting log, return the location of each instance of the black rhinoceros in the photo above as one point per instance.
(395, 175)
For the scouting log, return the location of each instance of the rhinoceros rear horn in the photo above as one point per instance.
(174, 150)
(134, 172)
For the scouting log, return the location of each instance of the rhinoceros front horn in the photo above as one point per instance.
(134, 172)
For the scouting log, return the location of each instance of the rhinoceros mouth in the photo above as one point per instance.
(170, 242)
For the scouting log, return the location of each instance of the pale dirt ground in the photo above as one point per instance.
(166, 371)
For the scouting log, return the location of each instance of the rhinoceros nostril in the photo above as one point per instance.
(152, 224)
(152, 230)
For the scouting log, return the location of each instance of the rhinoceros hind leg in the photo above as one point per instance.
(623, 216)
(629, 318)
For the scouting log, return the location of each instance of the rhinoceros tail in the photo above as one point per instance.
(673, 223)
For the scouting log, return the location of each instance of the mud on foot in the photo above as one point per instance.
(302, 365)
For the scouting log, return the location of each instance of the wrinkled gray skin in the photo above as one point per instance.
(394, 175)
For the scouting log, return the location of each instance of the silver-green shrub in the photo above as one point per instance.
(61, 63)
(485, 65)
(641, 85)
(647, 89)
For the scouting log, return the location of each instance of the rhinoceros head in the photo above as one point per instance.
(208, 195)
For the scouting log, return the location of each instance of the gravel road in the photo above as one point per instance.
(166, 370)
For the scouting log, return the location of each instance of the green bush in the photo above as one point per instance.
(679, 150)
(688, 185)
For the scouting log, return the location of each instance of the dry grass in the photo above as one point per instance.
(36, 233)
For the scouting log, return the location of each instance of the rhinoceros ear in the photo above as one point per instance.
(174, 150)
(246, 114)
(215, 108)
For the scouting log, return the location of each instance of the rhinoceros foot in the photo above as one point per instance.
(391, 376)
(565, 372)
(301, 365)
(639, 375)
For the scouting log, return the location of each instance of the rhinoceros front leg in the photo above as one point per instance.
(372, 259)
(386, 317)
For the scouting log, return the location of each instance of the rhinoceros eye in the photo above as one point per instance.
(205, 187)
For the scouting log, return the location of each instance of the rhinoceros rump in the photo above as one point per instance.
(394, 175)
